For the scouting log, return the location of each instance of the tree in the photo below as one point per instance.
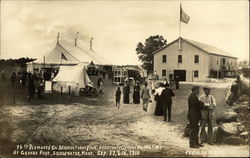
(145, 51)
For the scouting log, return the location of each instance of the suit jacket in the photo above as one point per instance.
(166, 96)
(194, 107)
(145, 93)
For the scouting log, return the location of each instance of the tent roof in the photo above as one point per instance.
(76, 52)
(66, 52)
(64, 71)
(77, 73)
(74, 76)
(96, 57)
(59, 55)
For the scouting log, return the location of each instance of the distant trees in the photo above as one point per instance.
(19, 62)
(244, 67)
(145, 51)
(135, 74)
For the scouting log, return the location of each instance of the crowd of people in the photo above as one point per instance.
(200, 108)
(33, 82)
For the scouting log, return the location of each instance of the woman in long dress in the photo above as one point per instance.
(136, 94)
(126, 94)
(159, 107)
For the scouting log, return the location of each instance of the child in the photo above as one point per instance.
(118, 97)
(101, 87)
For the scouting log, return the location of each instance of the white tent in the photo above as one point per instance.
(74, 76)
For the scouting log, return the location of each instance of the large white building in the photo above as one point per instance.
(193, 61)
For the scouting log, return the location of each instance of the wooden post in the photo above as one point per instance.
(61, 90)
(52, 90)
(14, 98)
(69, 90)
(44, 62)
(192, 75)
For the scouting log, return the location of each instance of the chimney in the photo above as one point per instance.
(76, 39)
(58, 35)
(91, 43)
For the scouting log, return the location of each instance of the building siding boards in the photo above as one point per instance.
(187, 61)
(216, 63)
(207, 61)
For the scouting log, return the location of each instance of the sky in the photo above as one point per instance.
(29, 28)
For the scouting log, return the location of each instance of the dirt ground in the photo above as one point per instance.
(96, 122)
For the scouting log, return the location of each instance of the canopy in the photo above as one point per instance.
(66, 53)
(74, 76)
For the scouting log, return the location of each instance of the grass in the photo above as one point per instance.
(179, 107)
(180, 104)
(17, 95)
(57, 120)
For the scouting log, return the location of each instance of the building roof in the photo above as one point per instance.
(209, 49)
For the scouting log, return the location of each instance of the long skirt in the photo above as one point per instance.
(126, 98)
(136, 97)
(158, 109)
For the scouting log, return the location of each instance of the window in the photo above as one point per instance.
(164, 59)
(223, 61)
(164, 73)
(196, 59)
(116, 79)
(196, 73)
(179, 58)
(217, 62)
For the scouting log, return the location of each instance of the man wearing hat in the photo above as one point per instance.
(194, 117)
(166, 100)
(207, 115)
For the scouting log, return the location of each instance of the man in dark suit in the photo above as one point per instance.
(166, 99)
(194, 116)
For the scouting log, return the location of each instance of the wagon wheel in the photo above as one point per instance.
(93, 92)
(81, 92)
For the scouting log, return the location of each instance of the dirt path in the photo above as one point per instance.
(80, 125)
(76, 125)
(99, 123)
(167, 133)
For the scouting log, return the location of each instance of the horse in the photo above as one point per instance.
(239, 88)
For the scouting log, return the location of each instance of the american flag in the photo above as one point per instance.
(183, 16)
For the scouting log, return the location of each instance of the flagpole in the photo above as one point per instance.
(180, 22)
(180, 29)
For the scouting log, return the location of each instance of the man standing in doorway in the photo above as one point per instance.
(207, 115)
(194, 116)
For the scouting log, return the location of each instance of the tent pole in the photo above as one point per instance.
(44, 62)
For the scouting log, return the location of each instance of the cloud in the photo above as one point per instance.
(29, 28)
